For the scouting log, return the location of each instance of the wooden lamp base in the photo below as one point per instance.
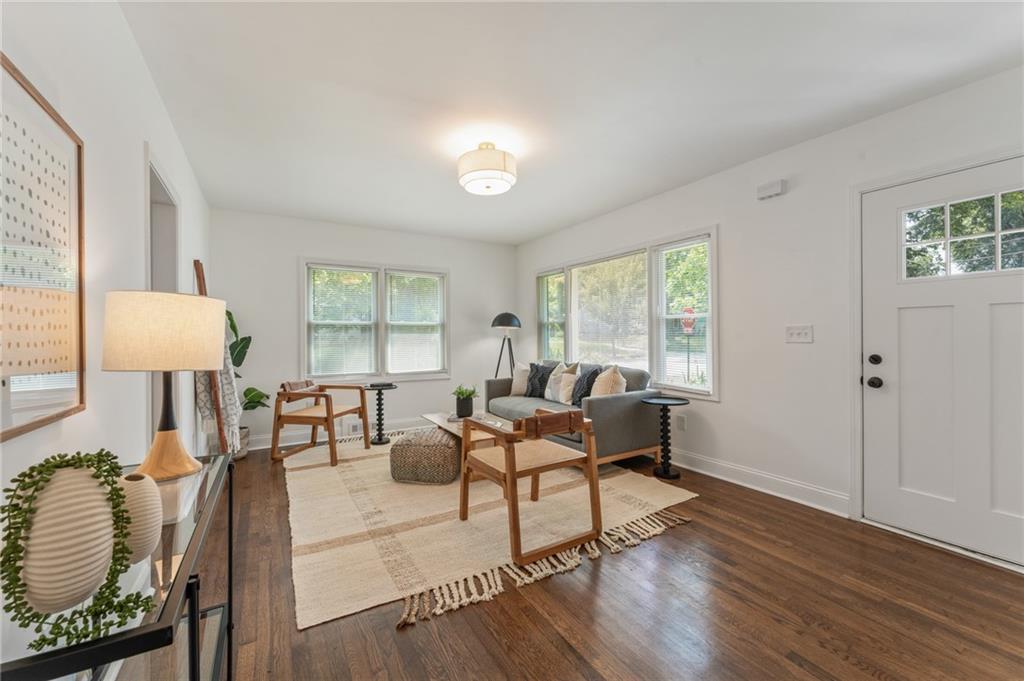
(167, 458)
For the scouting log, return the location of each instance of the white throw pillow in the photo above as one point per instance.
(520, 376)
(566, 387)
(609, 382)
(551, 392)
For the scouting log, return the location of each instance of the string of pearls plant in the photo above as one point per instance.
(107, 607)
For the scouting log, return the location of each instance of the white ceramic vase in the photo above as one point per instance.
(142, 501)
(71, 543)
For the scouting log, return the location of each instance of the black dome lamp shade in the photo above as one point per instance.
(506, 321)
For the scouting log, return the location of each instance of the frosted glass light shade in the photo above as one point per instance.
(487, 171)
(153, 331)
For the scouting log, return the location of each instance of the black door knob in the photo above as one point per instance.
(875, 382)
(875, 359)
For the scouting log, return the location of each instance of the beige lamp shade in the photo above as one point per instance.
(153, 331)
(487, 171)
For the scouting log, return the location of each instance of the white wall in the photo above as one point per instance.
(255, 267)
(784, 420)
(84, 60)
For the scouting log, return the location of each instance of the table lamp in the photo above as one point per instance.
(167, 332)
(506, 321)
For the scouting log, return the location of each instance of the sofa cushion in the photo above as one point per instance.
(636, 379)
(513, 408)
(537, 381)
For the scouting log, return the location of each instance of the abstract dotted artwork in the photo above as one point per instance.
(40, 258)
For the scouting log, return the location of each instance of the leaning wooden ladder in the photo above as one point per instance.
(524, 453)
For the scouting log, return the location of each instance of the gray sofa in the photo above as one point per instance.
(623, 425)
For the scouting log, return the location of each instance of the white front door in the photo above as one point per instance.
(943, 365)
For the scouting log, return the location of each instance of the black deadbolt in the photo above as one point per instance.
(875, 382)
(875, 359)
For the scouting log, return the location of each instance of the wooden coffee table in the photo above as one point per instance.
(479, 438)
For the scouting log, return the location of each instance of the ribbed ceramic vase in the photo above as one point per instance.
(70, 545)
(142, 501)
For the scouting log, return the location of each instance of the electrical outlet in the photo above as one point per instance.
(355, 428)
(800, 333)
(681, 420)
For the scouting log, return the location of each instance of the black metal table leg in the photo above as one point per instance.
(379, 439)
(231, 570)
(665, 470)
(192, 596)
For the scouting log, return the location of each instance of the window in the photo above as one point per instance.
(415, 322)
(600, 313)
(342, 328)
(609, 311)
(551, 315)
(683, 312)
(983, 234)
(374, 321)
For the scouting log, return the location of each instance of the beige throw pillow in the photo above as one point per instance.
(609, 382)
(551, 391)
(520, 376)
(566, 387)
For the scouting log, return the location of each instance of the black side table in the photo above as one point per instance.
(379, 438)
(664, 469)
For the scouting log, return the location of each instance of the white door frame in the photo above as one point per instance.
(151, 164)
(856, 508)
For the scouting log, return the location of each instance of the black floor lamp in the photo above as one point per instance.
(506, 321)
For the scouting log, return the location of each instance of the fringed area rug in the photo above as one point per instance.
(360, 539)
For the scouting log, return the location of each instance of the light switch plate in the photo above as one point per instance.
(800, 333)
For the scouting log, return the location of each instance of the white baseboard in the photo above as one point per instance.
(289, 439)
(820, 498)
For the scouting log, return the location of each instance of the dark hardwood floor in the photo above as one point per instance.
(754, 588)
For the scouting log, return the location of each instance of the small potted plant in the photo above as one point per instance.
(464, 401)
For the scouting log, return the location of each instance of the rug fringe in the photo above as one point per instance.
(449, 597)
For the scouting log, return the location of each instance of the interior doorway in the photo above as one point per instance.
(162, 265)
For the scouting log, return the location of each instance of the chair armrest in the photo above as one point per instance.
(293, 395)
(496, 387)
(622, 422)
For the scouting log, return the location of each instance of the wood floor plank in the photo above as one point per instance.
(755, 587)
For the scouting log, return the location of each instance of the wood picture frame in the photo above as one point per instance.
(42, 308)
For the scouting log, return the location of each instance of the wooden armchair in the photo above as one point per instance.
(323, 413)
(524, 453)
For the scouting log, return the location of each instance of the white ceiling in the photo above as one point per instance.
(356, 113)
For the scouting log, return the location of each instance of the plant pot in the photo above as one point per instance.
(142, 501)
(243, 446)
(71, 543)
(463, 407)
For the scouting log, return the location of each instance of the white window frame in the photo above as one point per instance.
(655, 303)
(380, 322)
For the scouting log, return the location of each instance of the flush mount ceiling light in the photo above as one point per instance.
(487, 171)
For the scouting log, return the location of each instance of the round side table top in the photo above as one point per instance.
(381, 386)
(664, 401)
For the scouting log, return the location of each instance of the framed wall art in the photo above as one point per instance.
(42, 351)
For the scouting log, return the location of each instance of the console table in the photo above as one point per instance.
(154, 644)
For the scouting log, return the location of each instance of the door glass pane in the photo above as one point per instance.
(926, 261)
(1013, 251)
(1013, 210)
(924, 224)
(977, 216)
(972, 255)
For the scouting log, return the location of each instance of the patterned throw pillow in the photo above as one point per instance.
(537, 380)
(584, 384)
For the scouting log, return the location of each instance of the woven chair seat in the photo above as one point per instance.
(428, 456)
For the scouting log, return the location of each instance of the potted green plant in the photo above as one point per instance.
(464, 401)
(252, 398)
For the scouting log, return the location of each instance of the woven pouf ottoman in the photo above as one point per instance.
(426, 456)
